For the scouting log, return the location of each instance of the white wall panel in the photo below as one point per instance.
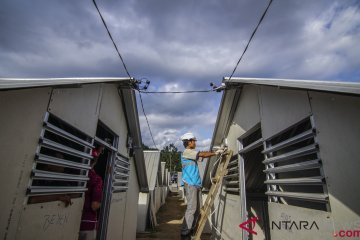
(142, 214)
(281, 108)
(232, 218)
(112, 115)
(117, 219)
(282, 212)
(21, 121)
(78, 106)
(50, 220)
(132, 199)
(337, 119)
(247, 113)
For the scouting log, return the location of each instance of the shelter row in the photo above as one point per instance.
(296, 161)
(150, 203)
(48, 130)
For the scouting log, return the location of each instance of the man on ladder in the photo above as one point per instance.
(191, 181)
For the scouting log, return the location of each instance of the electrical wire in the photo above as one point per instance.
(127, 72)
(137, 88)
(217, 160)
(213, 225)
(146, 118)
(145, 82)
(108, 31)
(190, 91)
(210, 222)
(251, 37)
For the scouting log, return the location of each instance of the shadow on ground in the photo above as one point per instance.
(169, 220)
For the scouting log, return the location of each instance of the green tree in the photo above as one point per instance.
(171, 153)
(146, 147)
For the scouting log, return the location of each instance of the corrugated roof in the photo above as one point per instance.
(16, 83)
(152, 163)
(328, 86)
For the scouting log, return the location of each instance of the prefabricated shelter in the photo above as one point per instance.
(164, 184)
(179, 186)
(149, 203)
(296, 163)
(48, 128)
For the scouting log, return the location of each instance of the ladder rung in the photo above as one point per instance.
(206, 209)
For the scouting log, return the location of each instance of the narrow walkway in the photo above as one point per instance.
(169, 219)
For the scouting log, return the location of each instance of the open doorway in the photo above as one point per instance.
(104, 153)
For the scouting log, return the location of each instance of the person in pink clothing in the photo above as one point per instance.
(93, 196)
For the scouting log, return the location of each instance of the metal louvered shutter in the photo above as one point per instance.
(62, 159)
(121, 173)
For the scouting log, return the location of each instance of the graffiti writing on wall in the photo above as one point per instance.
(54, 219)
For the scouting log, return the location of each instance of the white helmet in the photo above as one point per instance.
(188, 136)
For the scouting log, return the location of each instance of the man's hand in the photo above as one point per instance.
(66, 200)
(220, 151)
(95, 205)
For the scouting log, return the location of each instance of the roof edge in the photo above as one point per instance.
(225, 115)
(134, 125)
(20, 83)
(318, 85)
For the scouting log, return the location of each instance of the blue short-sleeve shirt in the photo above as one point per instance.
(190, 169)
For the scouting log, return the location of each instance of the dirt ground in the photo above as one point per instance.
(169, 219)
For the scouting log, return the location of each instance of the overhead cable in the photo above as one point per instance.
(108, 31)
(147, 121)
(127, 72)
(147, 82)
(192, 91)
(251, 37)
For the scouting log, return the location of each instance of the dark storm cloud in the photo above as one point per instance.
(25, 25)
(180, 45)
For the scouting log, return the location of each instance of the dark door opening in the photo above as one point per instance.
(253, 177)
(105, 147)
(104, 163)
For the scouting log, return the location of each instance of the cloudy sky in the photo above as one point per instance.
(181, 45)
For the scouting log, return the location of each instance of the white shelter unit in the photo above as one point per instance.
(149, 203)
(296, 162)
(48, 128)
(164, 181)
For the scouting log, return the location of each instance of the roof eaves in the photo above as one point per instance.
(134, 131)
(327, 86)
(20, 83)
(225, 115)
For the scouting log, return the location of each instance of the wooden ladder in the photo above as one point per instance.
(221, 171)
